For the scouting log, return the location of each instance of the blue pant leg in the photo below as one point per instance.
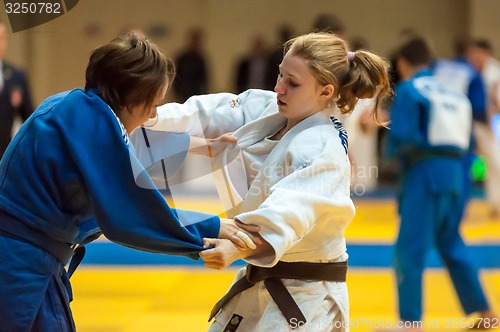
(54, 313)
(468, 183)
(457, 258)
(23, 280)
(33, 294)
(413, 243)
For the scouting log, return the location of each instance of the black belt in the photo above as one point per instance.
(13, 228)
(419, 155)
(272, 280)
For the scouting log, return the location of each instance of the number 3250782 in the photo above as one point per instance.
(33, 8)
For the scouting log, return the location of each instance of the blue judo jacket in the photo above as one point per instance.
(69, 164)
(68, 173)
(430, 131)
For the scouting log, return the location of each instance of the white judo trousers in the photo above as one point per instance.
(487, 143)
(489, 148)
(324, 304)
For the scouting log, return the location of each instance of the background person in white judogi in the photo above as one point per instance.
(362, 129)
(480, 54)
(296, 175)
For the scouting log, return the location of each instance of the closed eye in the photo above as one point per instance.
(290, 82)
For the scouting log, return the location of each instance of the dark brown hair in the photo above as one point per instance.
(416, 51)
(129, 71)
(483, 44)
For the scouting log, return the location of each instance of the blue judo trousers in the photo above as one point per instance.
(430, 216)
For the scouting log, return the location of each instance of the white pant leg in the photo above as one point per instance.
(490, 149)
(324, 304)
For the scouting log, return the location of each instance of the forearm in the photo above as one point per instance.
(264, 249)
(225, 252)
(210, 147)
(199, 146)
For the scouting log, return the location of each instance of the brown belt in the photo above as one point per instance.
(272, 280)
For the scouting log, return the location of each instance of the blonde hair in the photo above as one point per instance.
(361, 74)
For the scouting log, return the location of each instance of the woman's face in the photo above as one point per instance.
(299, 93)
(140, 114)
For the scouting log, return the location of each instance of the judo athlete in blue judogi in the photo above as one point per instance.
(461, 76)
(430, 130)
(70, 173)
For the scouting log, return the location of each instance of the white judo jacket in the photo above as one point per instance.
(300, 195)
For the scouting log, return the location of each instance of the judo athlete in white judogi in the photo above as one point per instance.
(481, 56)
(292, 157)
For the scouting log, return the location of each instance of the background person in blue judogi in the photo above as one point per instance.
(430, 133)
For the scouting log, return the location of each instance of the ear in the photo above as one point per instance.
(327, 91)
(403, 67)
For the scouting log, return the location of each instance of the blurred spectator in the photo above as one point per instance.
(132, 29)
(329, 23)
(284, 33)
(251, 72)
(191, 67)
(358, 43)
(15, 98)
(480, 54)
(362, 130)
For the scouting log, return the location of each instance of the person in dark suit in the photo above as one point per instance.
(251, 70)
(15, 98)
(191, 68)
(285, 33)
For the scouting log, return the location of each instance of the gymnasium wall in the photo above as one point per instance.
(56, 53)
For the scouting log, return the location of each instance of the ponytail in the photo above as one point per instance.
(367, 77)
